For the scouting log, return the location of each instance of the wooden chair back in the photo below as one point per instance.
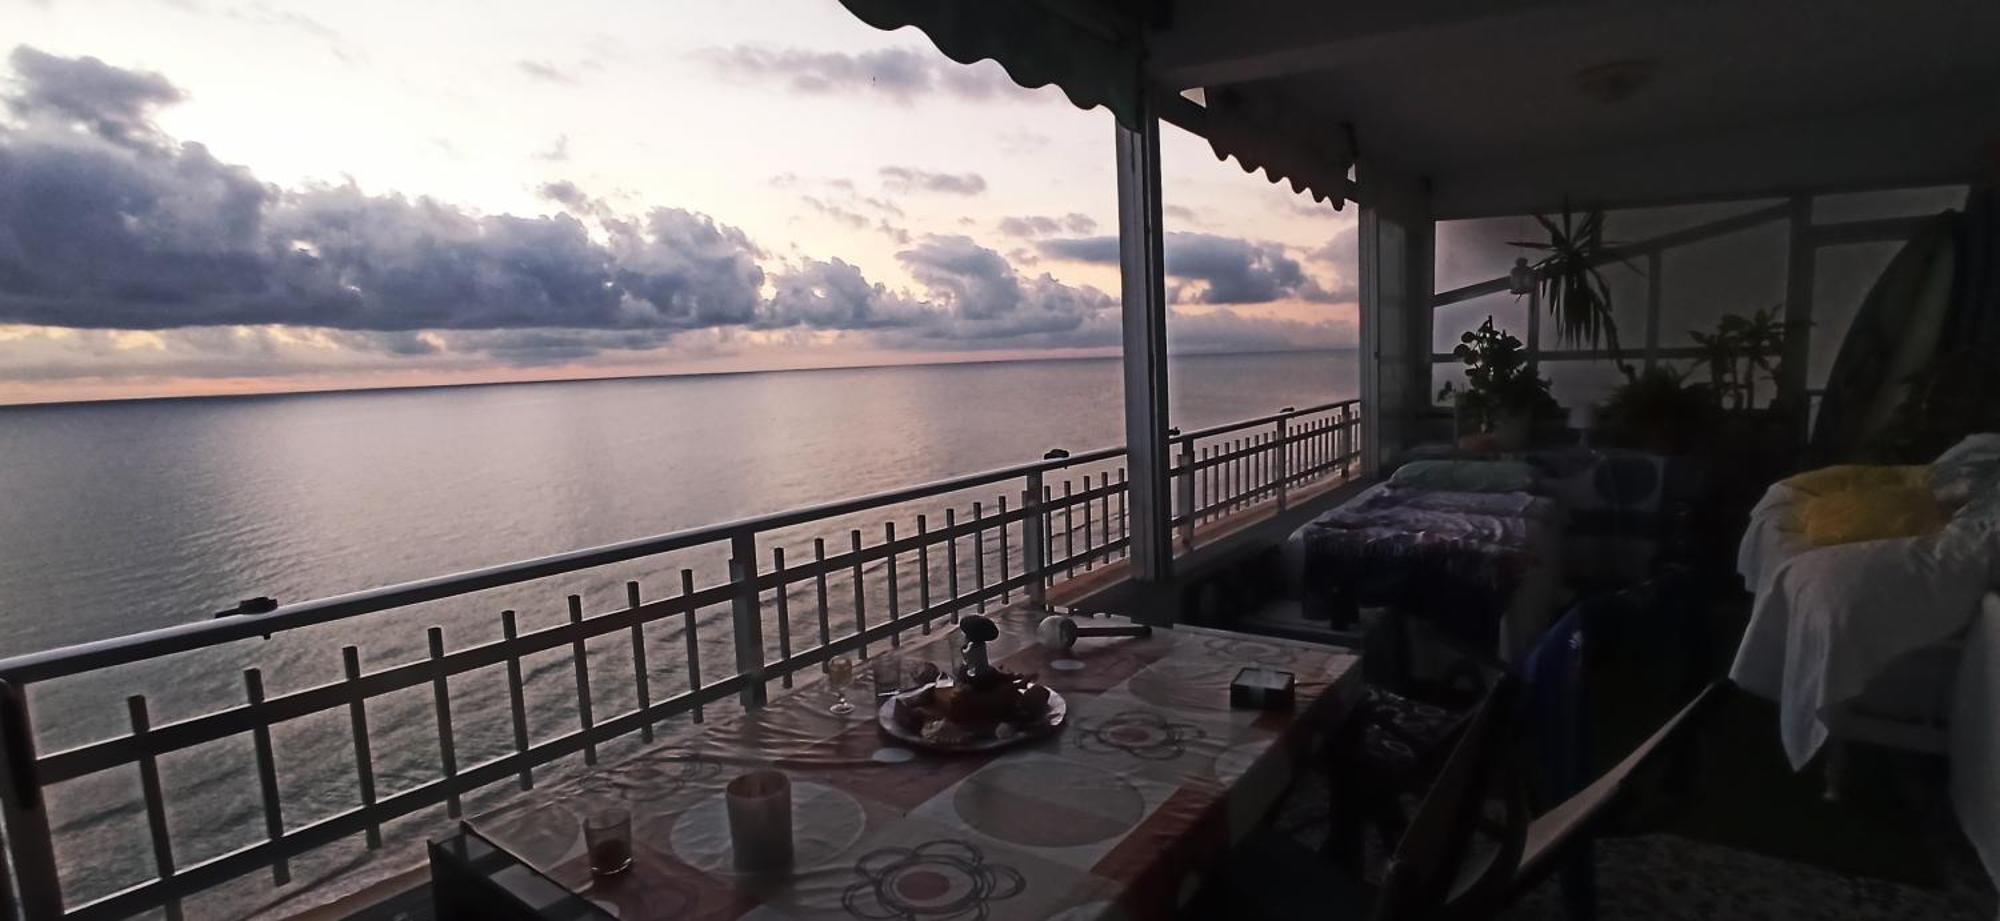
(1550, 834)
(1423, 875)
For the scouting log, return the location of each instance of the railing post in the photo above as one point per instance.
(25, 810)
(745, 611)
(1280, 469)
(1034, 534)
(1184, 502)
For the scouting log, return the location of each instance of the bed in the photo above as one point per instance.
(1973, 739)
(1892, 641)
(1861, 640)
(1472, 548)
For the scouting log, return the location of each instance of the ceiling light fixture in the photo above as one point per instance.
(1616, 81)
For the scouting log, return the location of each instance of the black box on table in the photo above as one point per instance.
(1257, 688)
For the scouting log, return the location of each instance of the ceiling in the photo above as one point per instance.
(1728, 98)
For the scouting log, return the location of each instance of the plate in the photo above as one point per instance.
(1051, 721)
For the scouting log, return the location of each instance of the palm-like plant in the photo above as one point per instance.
(1577, 297)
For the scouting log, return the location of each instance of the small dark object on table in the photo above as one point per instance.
(1262, 689)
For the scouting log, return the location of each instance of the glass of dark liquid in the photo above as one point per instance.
(608, 837)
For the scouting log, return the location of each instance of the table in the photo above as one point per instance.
(1114, 817)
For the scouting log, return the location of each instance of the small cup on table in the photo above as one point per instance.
(760, 821)
(607, 835)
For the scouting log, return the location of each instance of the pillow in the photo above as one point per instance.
(1965, 469)
(1874, 513)
(1465, 476)
(1829, 480)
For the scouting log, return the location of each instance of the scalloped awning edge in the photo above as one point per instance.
(1033, 45)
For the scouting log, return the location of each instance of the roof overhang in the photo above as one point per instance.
(1510, 106)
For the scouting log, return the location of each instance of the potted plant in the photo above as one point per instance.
(1502, 394)
(1571, 287)
(1656, 410)
(1741, 347)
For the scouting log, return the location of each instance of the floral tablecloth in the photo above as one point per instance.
(1114, 817)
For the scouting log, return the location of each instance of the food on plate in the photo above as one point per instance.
(998, 704)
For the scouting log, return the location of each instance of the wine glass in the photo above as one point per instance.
(839, 674)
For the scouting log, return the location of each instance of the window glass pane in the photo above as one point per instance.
(1842, 276)
(1889, 203)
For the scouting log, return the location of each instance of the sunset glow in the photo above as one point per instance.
(214, 197)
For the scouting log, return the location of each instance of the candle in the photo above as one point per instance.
(760, 820)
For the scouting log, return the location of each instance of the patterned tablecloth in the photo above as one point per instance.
(1114, 817)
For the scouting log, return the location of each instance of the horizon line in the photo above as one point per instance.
(653, 375)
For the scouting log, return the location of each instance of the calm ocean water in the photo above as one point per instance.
(129, 516)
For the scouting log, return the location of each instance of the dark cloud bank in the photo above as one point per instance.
(1213, 269)
(106, 223)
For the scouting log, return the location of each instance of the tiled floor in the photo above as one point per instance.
(1671, 878)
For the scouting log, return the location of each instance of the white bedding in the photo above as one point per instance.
(1975, 736)
(1771, 538)
(1827, 620)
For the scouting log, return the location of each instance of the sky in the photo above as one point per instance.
(233, 196)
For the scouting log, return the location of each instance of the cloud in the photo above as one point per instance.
(834, 295)
(102, 236)
(985, 297)
(1037, 225)
(894, 232)
(835, 213)
(1223, 270)
(840, 213)
(1225, 330)
(546, 72)
(911, 179)
(262, 15)
(902, 74)
(557, 152)
(117, 239)
(1342, 249)
(110, 102)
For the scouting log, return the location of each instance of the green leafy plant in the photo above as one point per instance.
(1498, 379)
(1571, 287)
(1656, 409)
(1739, 350)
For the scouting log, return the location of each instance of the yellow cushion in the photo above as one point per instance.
(1874, 513)
(1829, 480)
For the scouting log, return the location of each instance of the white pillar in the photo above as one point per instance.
(1145, 348)
(1396, 234)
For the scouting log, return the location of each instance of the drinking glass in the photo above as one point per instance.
(887, 671)
(839, 674)
(607, 835)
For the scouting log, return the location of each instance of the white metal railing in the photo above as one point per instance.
(1067, 514)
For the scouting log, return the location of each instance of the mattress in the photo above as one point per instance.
(1483, 566)
(1870, 628)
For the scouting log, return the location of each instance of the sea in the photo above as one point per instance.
(121, 517)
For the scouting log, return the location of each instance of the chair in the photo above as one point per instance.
(1559, 838)
(1554, 834)
(1394, 743)
(1272, 877)
(1432, 874)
